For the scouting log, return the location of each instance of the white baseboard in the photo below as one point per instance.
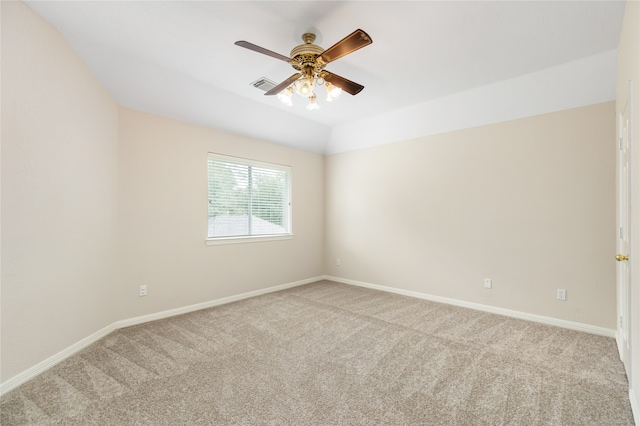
(619, 345)
(178, 311)
(601, 331)
(635, 409)
(43, 366)
(634, 406)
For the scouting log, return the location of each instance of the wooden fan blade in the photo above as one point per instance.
(341, 82)
(354, 41)
(262, 50)
(280, 87)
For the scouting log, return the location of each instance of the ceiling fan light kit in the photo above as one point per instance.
(309, 60)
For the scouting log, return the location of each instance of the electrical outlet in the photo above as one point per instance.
(561, 294)
(487, 283)
(337, 261)
(143, 290)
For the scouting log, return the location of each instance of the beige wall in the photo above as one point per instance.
(163, 217)
(528, 203)
(629, 70)
(59, 182)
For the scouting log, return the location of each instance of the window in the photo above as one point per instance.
(247, 200)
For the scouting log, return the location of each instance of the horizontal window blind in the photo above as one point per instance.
(248, 198)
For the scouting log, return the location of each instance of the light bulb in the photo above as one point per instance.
(313, 104)
(332, 92)
(285, 96)
(305, 87)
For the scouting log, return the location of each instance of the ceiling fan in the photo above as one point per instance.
(309, 61)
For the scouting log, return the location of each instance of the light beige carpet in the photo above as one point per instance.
(332, 354)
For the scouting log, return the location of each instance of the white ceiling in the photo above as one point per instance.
(178, 59)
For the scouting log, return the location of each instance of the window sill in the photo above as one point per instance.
(252, 239)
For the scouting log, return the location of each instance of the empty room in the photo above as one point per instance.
(320, 213)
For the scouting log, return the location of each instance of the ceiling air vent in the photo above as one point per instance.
(264, 84)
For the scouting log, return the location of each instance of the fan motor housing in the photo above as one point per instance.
(306, 49)
(305, 55)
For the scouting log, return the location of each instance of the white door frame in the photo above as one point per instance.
(623, 270)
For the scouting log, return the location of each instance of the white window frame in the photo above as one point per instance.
(252, 238)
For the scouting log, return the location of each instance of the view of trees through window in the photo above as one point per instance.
(247, 200)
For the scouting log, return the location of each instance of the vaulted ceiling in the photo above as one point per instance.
(432, 67)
